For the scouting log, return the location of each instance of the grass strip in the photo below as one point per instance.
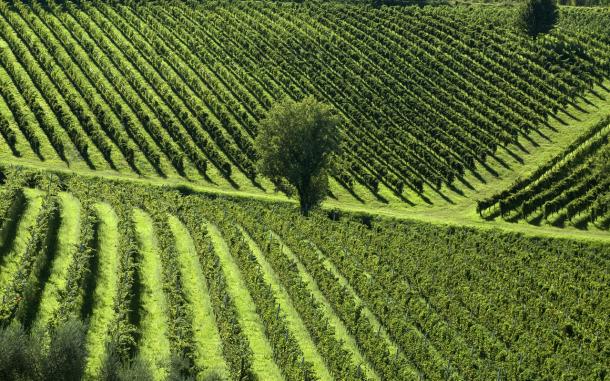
(154, 344)
(67, 241)
(106, 290)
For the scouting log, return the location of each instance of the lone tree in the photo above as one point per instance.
(538, 16)
(295, 143)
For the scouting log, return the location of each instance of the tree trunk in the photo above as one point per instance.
(305, 207)
(304, 202)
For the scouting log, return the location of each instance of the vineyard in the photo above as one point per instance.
(176, 90)
(247, 290)
(573, 188)
(464, 235)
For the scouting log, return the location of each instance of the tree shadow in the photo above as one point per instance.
(467, 184)
(581, 225)
(499, 161)
(571, 115)
(536, 221)
(558, 118)
(550, 127)
(10, 223)
(577, 107)
(542, 135)
(457, 190)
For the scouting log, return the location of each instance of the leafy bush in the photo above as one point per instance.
(23, 358)
(20, 355)
(295, 143)
(66, 356)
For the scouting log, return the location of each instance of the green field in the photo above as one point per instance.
(465, 236)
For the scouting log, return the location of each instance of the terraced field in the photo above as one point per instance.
(428, 96)
(242, 290)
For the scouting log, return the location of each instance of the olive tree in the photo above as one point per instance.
(295, 143)
(538, 16)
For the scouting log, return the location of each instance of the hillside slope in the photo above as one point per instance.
(292, 298)
(176, 90)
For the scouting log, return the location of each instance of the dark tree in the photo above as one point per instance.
(538, 16)
(295, 143)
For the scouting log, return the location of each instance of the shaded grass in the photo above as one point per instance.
(294, 321)
(10, 262)
(340, 329)
(67, 241)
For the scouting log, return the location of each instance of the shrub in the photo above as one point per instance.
(66, 356)
(20, 355)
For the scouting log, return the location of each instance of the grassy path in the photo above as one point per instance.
(341, 331)
(9, 264)
(154, 344)
(67, 241)
(208, 355)
(105, 291)
(461, 213)
(262, 358)
(295, 323)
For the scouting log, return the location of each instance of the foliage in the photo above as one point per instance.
(115, 369)
(295, 144)
(464, 304)
(66, 355)
(21, 355)
(137, 369)
(538, 17)
(24, 356)
(603, 161)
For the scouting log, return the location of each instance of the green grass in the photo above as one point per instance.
(67, 241)
(154, 344)
(105, 291)
(340, 330)
(10, 262)
(294, 321)
(208, 351)
(262, 359)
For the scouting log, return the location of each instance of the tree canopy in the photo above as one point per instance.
(538, 16)
(295, 144)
